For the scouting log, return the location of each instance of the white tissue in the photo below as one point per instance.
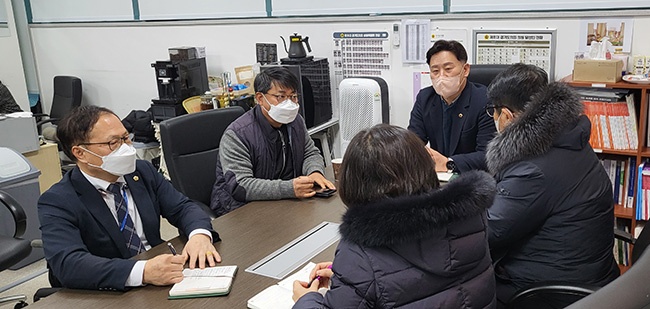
(20, 115)
(598, 50)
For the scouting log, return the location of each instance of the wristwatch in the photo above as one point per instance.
(451, 165)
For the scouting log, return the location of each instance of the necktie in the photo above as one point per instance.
(132, 239)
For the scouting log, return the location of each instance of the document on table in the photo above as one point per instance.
(210, 281)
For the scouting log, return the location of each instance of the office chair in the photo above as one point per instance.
(67, 95)
(190, 145)
(13, 249)
(627, 291)
(484, 73)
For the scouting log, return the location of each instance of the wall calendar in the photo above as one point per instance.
(536, 47)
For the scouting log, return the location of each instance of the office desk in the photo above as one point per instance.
(248, 234)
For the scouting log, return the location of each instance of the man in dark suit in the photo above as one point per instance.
(450, 115)
(107, 210)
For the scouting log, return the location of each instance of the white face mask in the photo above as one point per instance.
(285, 112)
(447, 86)
(119, 162)
(496, 122)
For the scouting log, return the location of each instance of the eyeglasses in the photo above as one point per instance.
(281, 97)
(490, 108)
(112, 144)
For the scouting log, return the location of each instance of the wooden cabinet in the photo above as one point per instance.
(46, 160)
(641, 93)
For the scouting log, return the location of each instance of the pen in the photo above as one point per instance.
(171, 248)
(318, 277)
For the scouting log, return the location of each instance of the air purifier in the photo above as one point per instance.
(363, 104)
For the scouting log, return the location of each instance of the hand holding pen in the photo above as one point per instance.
(322, 272)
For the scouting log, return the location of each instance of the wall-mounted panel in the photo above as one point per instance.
(200, 9)
(81, 10)
(541, 5)
(350, 7)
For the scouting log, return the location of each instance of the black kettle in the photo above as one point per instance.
(295, 46)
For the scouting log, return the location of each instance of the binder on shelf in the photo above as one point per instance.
(613, 118)
(629, 203)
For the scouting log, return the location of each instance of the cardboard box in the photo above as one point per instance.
(186, 53)
(601, 71)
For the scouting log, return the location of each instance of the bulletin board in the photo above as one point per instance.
(536, 47)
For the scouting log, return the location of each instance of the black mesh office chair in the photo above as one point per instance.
(627, 291)
(190, 144)
(484, 73)
(13, 249)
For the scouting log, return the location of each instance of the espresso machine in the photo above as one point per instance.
(177, 81)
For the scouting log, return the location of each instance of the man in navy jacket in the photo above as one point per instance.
(107, 210)
(450, 115)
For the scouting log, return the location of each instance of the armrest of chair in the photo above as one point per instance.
(44, 121)
(16, 211)
(624, 236)
(554, 293)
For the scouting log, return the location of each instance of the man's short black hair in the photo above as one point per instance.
(515, 87)
(74, 128)
(451, 46)
(279, 75)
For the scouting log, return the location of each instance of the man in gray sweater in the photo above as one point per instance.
(267, 154)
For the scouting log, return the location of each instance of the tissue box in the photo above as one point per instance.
(602, 71)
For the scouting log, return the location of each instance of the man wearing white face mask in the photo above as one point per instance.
(267, 154)
(553, 215)
(450, 115)
(108, 208)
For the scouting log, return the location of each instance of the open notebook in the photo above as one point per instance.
(210, 281)
(279, 296)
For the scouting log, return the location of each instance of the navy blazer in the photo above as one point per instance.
(470, 133)
(83, 245)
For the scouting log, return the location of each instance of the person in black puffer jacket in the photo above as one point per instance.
(405, 242)
(553, 216)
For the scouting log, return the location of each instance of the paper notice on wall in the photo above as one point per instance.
(459, 35)
(416, 40)
(361, 54)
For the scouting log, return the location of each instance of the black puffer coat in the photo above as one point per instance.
(426, 251)
(553, 216)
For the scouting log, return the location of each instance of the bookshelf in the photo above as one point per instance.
(642, 94)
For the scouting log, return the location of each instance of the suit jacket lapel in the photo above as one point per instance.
(94, 202)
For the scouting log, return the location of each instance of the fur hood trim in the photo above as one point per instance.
(534, 131)
(407, 218)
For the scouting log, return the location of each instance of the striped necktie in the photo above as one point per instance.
(133, 242)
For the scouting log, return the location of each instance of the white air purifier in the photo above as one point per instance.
(363, 104)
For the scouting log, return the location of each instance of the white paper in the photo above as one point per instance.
(279, 296)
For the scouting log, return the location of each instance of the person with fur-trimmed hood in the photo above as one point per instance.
(553, 215)
(405, 242)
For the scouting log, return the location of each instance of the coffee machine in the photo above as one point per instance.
(177, 81)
